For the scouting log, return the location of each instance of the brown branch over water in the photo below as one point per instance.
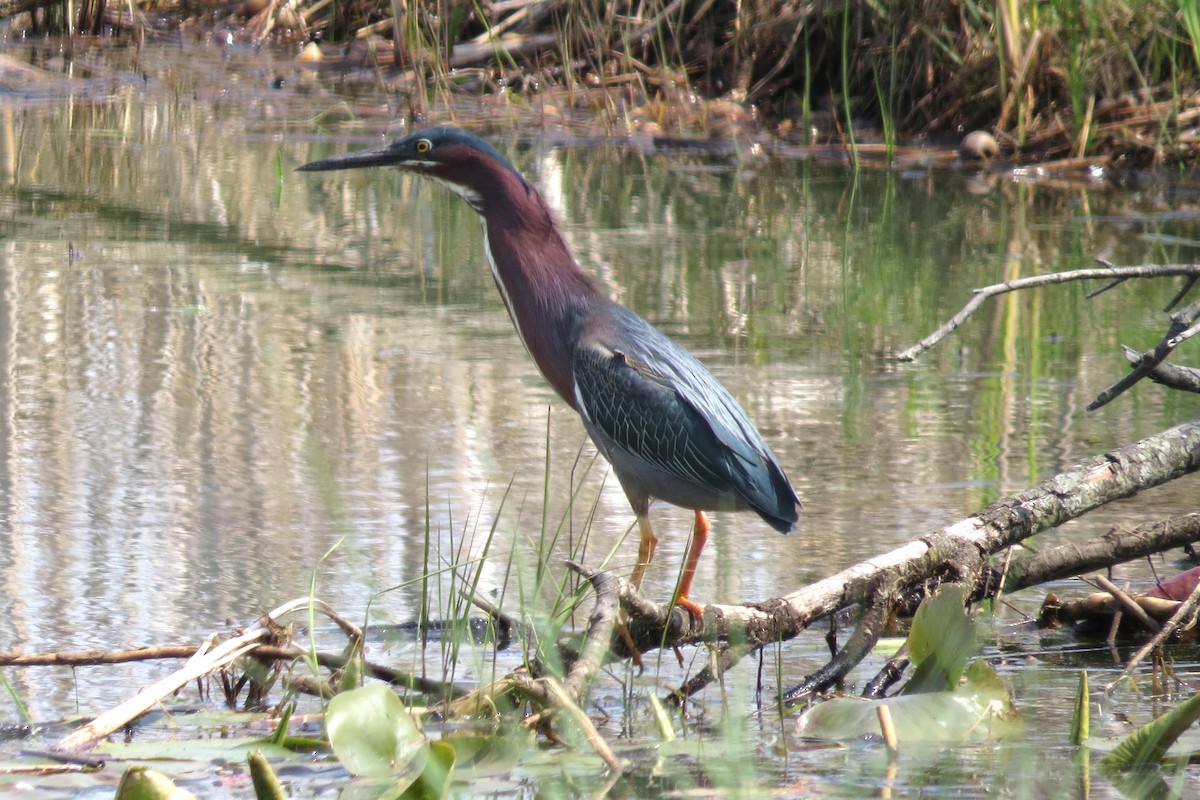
(1116, 546)
(87, 658)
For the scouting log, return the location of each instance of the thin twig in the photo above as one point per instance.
(1129, 604)
(1187, 287)
(565, 701)
(1110, 285)
(1186, 610)
(1183, 326)
(1052, 279)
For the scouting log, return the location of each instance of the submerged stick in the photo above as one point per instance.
(1182, 615)
(200, 664)
(197, 667)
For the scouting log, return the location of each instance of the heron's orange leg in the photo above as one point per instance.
(645, 551)
(699, 537)
(645, 554)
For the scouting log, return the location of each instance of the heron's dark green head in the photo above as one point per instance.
(457, 159)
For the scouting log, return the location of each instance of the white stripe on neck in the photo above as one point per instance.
(508, 303)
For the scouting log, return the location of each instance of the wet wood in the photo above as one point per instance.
(1117, 546)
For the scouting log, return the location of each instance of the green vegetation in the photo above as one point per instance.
(1055, 79)
(1051, 80)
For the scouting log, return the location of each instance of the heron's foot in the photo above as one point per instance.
(695, 609)
(635, 655)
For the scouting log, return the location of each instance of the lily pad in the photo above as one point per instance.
(372, 732)
(979, 710)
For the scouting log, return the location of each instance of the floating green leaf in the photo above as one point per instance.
(371, 731)
(941, 641)
(434, 781)
(978, 710)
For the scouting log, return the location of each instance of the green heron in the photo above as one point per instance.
(668, 428)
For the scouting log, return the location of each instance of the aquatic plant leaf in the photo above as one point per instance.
(1081, 722)
(265, 781)
(371, 731)
(978, 710)
(144, 783)
(484, 754)
(666, 730)
(433, 782)
(195, 751)
(281, 729)
(941, 641)
(427, 776)
(1147, 746)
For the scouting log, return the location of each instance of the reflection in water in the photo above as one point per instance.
(247, 369)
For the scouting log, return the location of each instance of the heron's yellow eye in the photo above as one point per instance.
(424, 146)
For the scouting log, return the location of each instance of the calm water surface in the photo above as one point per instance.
(220, 378)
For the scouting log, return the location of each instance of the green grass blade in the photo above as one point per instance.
(1147, 746)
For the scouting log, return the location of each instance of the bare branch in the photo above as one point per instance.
(1186, 379)
(601, 627)
(1183, 326)
(1110, 273)
(1117, 546)
(1187, 287)
(857, 647)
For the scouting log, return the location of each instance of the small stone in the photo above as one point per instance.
(311, 52)
(978, 146)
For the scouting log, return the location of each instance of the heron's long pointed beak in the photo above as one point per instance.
(383, 156)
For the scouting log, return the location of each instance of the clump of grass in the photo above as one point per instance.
(1053, 78)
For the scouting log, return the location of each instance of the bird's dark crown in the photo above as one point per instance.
(430, 151)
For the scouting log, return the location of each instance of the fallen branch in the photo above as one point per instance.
(198, 666)
(1103, 606)
(1117, 546)
(87, 658)
(956, 552)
